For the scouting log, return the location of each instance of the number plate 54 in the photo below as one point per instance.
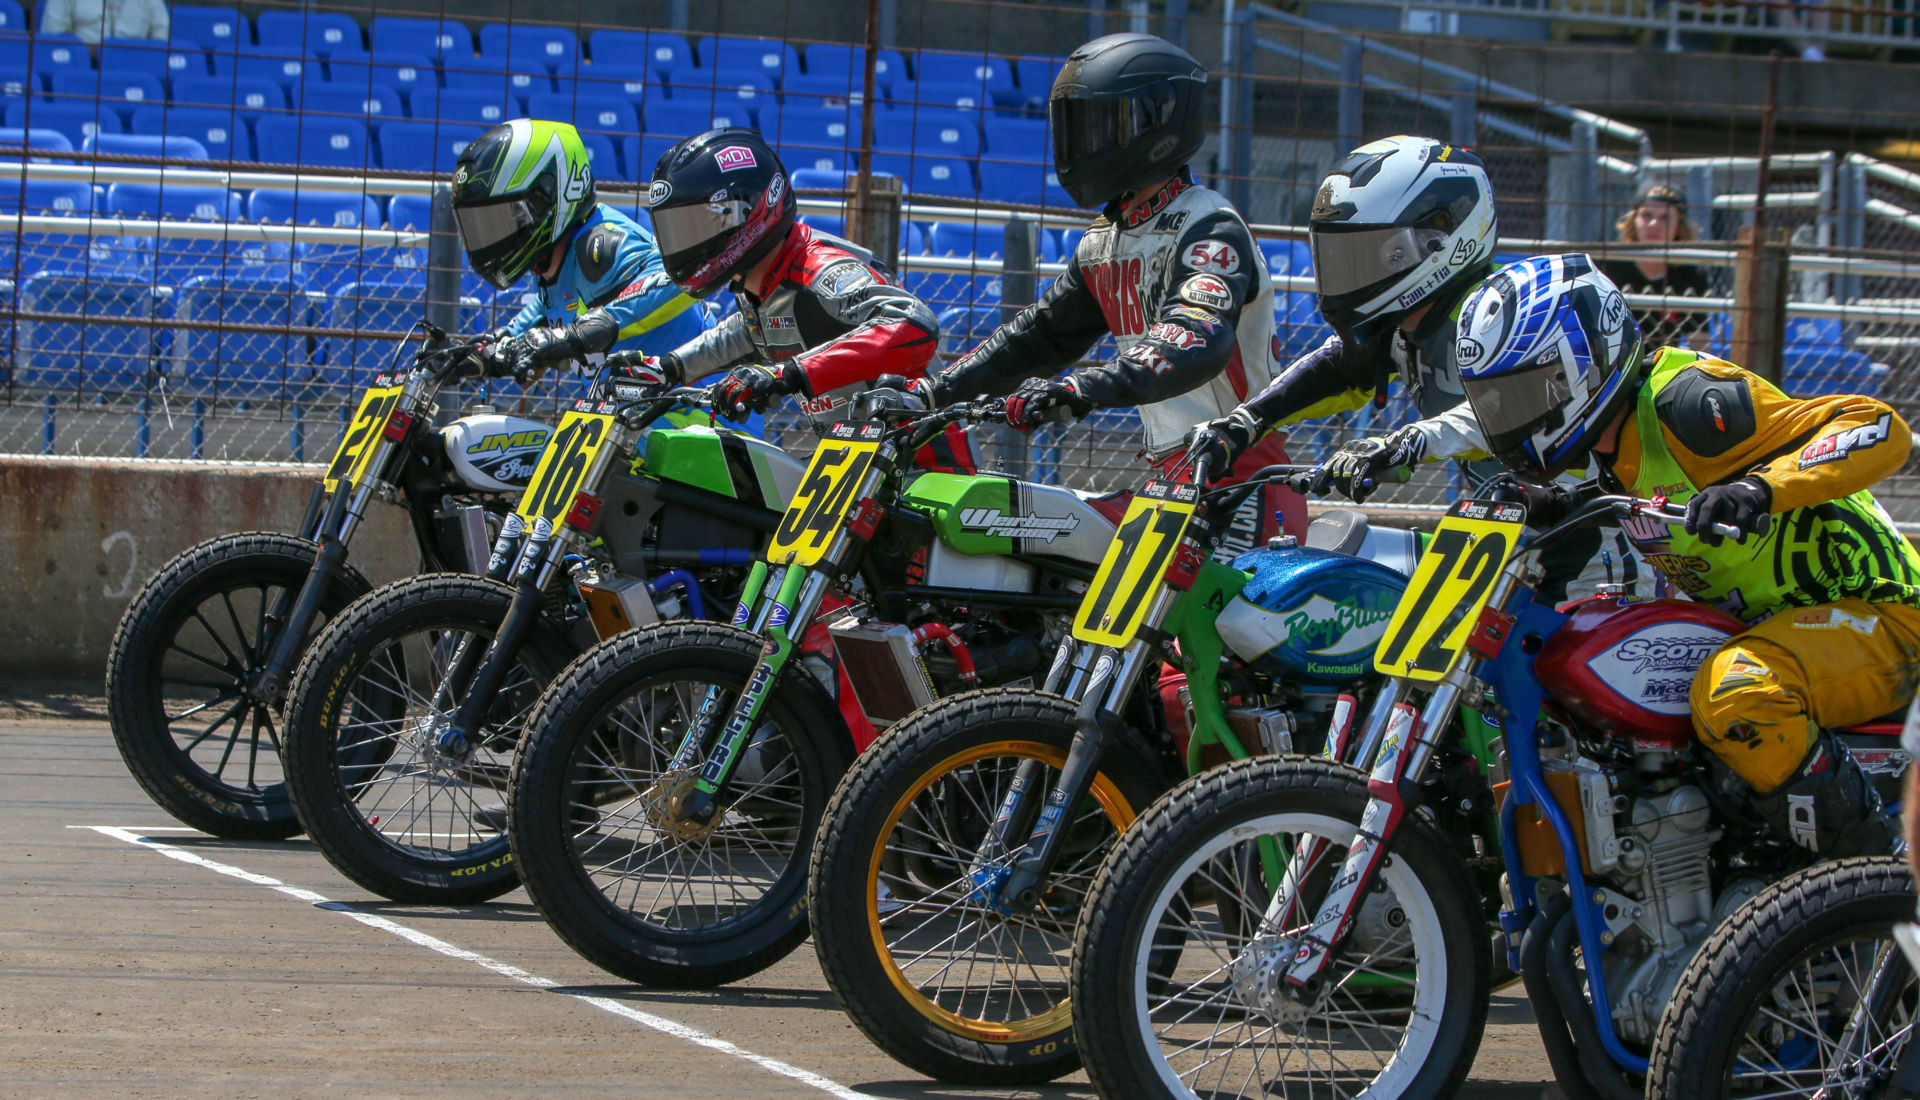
(1430, 627)
(827, 493)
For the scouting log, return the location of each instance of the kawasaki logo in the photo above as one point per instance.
(995, 522)
(1331, 628)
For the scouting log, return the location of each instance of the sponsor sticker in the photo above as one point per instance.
(776, 188)
(1468, 351)
(1178, 335)
(1832, 618)
(1654, 667)
(995, 522)
(660, 192)
(1215, 256)
(1839, 445)
(734, 158)
(1207, 290)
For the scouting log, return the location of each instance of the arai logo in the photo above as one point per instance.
(1331, 628)
(995, 522)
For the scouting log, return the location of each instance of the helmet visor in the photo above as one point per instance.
(1513, 406)
(687, 229)
(1084, 128)
(1346, 260)
(486, 227)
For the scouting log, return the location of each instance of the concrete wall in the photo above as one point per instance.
(79, 537)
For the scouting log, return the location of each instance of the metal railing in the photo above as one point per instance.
(1877, 23)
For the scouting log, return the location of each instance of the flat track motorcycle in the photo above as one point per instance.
(405, 714)
(201, 660)
(955, 856)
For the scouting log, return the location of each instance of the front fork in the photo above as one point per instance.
(292, 614)
(475, 673)
(797, 595)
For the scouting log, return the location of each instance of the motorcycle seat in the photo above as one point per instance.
(1338, 530)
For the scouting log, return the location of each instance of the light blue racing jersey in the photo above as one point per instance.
(614, 265)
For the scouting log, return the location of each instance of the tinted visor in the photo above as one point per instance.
(496, 223)
(1346, 260)
(678, 229)
(1086, 128)
(1512, 406)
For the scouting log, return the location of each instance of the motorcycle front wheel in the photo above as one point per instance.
(1179, 984)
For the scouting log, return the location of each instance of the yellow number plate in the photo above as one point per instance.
(564, 464)
(1449, 589)
(362, 437)
(826, 495)
(1136, 560)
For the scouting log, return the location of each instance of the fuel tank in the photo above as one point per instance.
(495, 451)
(984, 514)
(1624, 667)
(1310, 616)
(733, 464)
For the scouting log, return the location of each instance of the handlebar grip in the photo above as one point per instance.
(1058, 414)
(1402, 474)
(1729, 531)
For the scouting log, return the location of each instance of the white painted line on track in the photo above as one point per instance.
(414, 936)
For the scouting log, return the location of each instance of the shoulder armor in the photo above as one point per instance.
(1707, 414)
(598, 250)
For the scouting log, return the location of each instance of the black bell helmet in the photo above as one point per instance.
(1127, 111)
(720, 202)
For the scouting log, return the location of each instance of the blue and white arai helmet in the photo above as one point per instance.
(1547, 353)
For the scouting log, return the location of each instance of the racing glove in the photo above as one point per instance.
(891, 392)
(1353, 469)
(635, 375)
(1546, 504)
(750, 389)
(487, 357)
(1743, 504)
(1223, 440)
(1038, 400)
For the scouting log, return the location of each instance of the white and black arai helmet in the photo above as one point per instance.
(1396, 223)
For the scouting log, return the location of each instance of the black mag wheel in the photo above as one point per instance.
(368, 704)
(180, 673)
(1802, 991)
(603, 854)
(944, 982)
(1178, 981)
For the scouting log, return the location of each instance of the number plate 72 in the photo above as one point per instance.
(1449, 589)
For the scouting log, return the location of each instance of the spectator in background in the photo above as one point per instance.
(1659, 216)
(93, 20)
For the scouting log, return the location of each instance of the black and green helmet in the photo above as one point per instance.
(519, 189)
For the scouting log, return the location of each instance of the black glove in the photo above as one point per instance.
(1743, 503)
(891, 391)
(1038, 400)
(484, 358)
(1546, 504)
(751, 389)
(1223, 440)
(1353, 469)
(636, 376)
(537, 349)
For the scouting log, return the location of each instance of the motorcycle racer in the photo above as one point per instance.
(524, 201)
(1554, 367)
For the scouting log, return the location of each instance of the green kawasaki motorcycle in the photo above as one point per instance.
(667, 795)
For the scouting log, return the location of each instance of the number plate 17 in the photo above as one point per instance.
(1449, 589)
(1136, 560)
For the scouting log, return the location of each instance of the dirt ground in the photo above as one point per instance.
(139, 958)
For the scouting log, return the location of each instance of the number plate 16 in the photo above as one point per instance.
(1449, 589)
(1135, 562)
(565, 462)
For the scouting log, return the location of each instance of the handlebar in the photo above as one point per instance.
(1620, 506)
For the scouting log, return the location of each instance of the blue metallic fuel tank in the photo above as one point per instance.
(1310, 616)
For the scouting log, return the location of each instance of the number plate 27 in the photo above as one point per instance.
(565, 462)
(362, 437)
(1449, 589)
(827, 493)
(1136, 560)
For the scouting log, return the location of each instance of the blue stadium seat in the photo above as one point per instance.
(287, 68)
(1287, 257)
(834, 59)
(323, 34)
(410, 212)
(631, 81)
(55, 52)
(119, 93)
(909, 95)
(812, 130)
(160, 60)
(324, 266)
(799, 157)
(410, 74)
(825, 223)
(1819, 332)
(816, 90)
(223, 136)
(475, 105)
(53, 141)
(422, 146)
(662, 52)
(248, 99)
(175, 146)
(767, 56)
(821, 179)
(46, 197)
(219, 30)
(387, 303)
(376, 104)
(974, 70)
(174, 260)
(602, 114)
(517, 45)
(965, 239)
(518, 84)
(1032, 184)
(78, 121)
(964, 327)
(1019, 141)
(929, 175)
(742, 99)
(675, 119)
(241, 364)
(939, 133)
(435, 38)
(286, 139)
(641, 153)
(74, 356)
(13, 18)
(603, 152)
(1036, 74)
